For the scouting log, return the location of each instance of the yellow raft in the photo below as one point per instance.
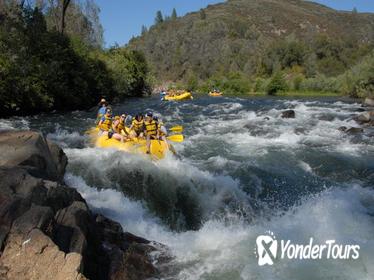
(137, 146)
(215, 93)
(183, 96)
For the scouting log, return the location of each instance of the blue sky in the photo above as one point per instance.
(123, 19)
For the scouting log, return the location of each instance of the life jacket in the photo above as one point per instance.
(121, 126)
(106, 125)
(151, 127)
(137, 125)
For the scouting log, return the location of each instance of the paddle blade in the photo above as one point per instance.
(177, 128)
(176, 138)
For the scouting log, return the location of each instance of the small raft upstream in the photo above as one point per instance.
(158, 148)
(215, 93)
(177, 97)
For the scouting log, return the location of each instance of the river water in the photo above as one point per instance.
(242, 171)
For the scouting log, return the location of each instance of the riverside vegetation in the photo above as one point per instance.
(263, 46)
(52, 58)
(52, 55)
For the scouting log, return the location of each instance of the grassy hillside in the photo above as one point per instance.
(257, 38)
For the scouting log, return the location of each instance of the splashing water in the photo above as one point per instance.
(242, 171)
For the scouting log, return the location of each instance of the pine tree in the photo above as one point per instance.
(159, 18)
(174, 14)
(144, 29)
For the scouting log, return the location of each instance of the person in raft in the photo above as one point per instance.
(103, 104)
(119, 126)
(150, 129)
(162, 132)
(106, 126)
(137, 126)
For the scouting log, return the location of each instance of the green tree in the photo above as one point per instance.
(144, 29)
(174, 14)
(276, 84)
(159, 18)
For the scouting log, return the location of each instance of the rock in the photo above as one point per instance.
(327, 118)
(364, 117)
(46, 228)
(288, 114)
(39, 217)
(35, 256)
(72, 227)
(266, 119)
(59, 158)
(354, 130)
(30, 150)
(369, 102)
(342, 128)
(300, 130)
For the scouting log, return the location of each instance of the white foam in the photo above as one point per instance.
(220, 249)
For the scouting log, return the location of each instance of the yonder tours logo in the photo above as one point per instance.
(268, 249)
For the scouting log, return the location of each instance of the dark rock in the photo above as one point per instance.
(300, 130)
(72, 227)
(342, 128)
(30, 150)
(39, 217)
(46, 228)
(288, 114)
(59, 196)
(354, 130)
(327, 118)
(59, 158)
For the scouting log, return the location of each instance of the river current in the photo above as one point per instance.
(242, 171)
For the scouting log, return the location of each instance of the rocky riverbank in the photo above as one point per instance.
(47, 231)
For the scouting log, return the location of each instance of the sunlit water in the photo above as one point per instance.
(242, 170)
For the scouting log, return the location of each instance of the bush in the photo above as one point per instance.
(276, 84)
(320, 83)
(359, 80)
(297, 81)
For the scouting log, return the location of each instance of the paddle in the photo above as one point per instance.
(176, 138)
(177, 128)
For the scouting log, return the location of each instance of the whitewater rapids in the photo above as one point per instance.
(242, 171)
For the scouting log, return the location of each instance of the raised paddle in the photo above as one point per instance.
(177, 128)
(176, 138)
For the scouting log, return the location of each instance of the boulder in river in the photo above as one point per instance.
(354, 130)
(47, 231)
(369, 102)
(288, 114)
(365, 117)
(342, 128)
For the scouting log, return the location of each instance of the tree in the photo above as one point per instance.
(144, 29)
(174, 14)
(64, 7)
(202, 14)
(159, 18)
(276, 84)
(354, 11)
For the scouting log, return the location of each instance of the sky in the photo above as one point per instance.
(123, 19)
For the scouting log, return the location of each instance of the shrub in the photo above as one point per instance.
(276, 84)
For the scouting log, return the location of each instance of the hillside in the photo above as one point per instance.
(256, 37)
